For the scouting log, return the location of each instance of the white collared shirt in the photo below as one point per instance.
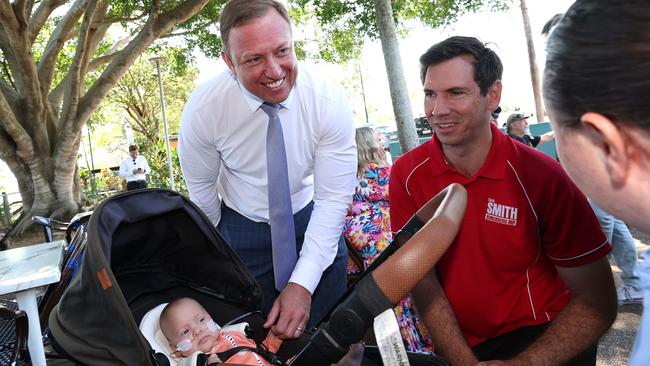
(222, 150)
(127, 166)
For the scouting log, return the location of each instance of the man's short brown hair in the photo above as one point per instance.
(133, 147)
(238, 12)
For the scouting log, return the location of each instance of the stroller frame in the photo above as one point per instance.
(150, 246)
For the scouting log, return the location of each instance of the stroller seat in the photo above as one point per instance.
(150, 246)
(150, 328)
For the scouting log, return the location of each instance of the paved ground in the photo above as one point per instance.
(614, 349)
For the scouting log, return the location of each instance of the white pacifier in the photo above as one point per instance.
(184, 345)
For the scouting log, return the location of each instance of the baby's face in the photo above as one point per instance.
(191, 326)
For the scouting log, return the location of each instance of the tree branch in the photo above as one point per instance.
(25, 75)
(9, 93)
(40, 16)
(47, 64)
(125, 20)
(57, 93)
(15, 130)
(75, 72)
(152, 29)
(19, 11)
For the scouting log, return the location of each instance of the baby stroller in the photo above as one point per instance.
(148, 247)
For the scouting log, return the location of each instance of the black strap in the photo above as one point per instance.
(266, 354)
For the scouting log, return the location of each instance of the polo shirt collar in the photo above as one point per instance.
(494, 166)
(254, 102)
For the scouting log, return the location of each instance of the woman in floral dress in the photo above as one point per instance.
(367, 227)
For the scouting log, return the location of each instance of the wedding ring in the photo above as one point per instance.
(300, 329)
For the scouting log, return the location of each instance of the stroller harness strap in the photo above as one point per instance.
(260, 350)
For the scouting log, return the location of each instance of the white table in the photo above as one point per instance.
(23, 271)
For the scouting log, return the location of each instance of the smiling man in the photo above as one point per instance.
(268, 153)
(526, 279)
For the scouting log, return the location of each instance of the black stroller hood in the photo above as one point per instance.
(144, 247)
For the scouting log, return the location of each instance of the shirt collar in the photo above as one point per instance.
(494, 166)
(254, 102)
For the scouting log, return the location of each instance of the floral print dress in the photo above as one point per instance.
(367, 228)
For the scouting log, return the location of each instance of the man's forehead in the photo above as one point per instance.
(456, 73)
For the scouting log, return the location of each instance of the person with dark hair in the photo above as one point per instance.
(596, 84)
(517, 128)
(495, 114)
(267, 150)
(527, 278)
(134, 169)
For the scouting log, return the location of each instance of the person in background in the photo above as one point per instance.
(598, 55)
(134, 169)
(517, 128)
(367, 227)
(495, 115)
(267, 151)
(527, 279)
(624, 253)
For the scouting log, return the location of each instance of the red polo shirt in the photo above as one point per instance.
(524, 217)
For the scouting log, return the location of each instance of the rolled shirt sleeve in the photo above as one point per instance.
(335, 165)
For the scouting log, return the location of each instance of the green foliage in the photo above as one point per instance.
(136, 97)
(202, 30)
(156, 155)
(346, 23)
(95, 188)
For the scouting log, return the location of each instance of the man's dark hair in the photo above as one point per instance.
(487, 65)
(546, 29)
(239, 12)
(133, 147)
(598, 60)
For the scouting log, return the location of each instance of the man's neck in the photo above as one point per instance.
(468, 159)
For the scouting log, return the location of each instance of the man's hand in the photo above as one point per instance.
(135, 171)
(290, 312)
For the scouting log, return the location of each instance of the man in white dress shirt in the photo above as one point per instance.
(222, 149)
(134, 169)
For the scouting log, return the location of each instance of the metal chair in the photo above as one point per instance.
(14, 330)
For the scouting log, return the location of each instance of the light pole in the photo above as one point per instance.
(158, 60)
(363, 92)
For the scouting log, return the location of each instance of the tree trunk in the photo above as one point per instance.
(534, 72)
(40, 122)
(406, 132)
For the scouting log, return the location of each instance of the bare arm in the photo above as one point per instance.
(546, 137)
(591, 311)
(439, 318)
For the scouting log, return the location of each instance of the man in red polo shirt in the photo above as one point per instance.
(527, 279)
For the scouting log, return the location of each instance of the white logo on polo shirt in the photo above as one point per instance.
(501, 214)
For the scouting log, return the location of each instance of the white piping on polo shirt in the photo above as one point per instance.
(581, 255)
(539, 244)
(406, 184)
(539, 240)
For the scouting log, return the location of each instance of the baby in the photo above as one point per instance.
(190, 331)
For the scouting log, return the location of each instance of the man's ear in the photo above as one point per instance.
(494, 95)
(610, 139)
(226, 58)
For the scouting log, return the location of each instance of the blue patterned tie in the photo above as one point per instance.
(283, 235)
